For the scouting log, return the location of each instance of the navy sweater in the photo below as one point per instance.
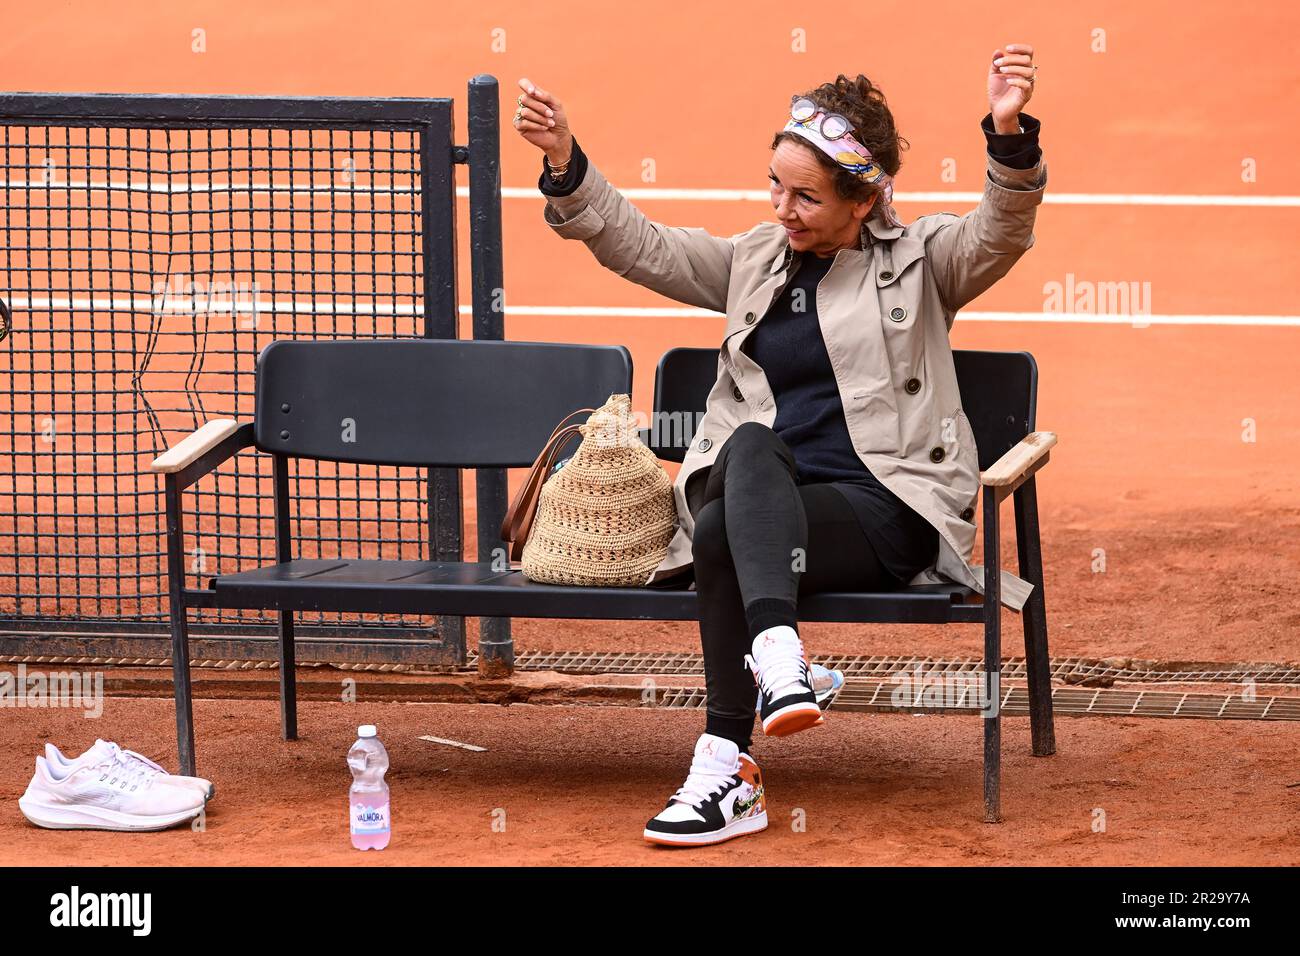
(789, 347)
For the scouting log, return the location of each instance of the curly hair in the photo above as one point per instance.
(873, 126)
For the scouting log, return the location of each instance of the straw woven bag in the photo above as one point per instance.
(606, 518)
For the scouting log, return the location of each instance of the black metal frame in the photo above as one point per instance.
(496, 653)
(432, 119)
(483, 589)
(1034, 614)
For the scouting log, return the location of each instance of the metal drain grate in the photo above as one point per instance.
(865, 696)
(1074, 671)
(614, 662)
(1066, 670)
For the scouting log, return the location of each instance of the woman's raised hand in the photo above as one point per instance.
(541, 120)
(1011, 84)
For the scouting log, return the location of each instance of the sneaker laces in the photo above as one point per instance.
(701, 783)
(779, 665)
(141, 758)
(123, 771)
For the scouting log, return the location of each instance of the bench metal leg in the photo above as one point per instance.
(288, 679)
(1037, 661)
(992, 662)
(496, 648)
(181, 686)
(284, 552)
(181, 690)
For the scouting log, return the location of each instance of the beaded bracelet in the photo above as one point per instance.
(557, 172)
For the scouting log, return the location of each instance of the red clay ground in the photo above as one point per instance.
(1199, 527)
(578, 783)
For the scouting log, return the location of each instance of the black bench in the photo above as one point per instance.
(492, 404)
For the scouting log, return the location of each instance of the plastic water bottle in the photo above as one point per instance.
(371, 817)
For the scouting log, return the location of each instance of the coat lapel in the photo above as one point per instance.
(757, 302)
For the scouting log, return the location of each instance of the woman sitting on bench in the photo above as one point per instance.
(833, 454)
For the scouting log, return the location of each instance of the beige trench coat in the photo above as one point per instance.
(885, 311)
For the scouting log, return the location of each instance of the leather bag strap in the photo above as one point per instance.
(519, 516)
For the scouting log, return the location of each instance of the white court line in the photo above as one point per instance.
(1059, 317)
(243, 304)
(655, 193)
(451, 743)
(304, 306)
(155, 186)
(971, 198)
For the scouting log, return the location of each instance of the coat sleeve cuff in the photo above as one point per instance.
(573, 216)
(582, 225)
(1010, 188)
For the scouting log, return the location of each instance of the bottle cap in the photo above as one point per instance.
(367, 730)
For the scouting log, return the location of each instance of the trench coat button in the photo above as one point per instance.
(749, 318)
(706, 444)
(936, 454)
(886, 276)
(967, 514)
(897, 313)
(913, 386)
(737, 394)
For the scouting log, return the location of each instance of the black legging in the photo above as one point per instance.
(751, 517)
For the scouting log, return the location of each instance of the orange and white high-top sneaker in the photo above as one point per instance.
(721, 799)
(787, 701)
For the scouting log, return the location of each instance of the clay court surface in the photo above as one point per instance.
(577, 784)
(1167, 535)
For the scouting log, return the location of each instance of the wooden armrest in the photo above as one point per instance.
(194, 446)
(1019, 461)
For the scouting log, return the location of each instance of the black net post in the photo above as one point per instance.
(495, 646)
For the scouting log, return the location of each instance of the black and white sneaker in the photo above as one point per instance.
(721, 799)
(787, 700)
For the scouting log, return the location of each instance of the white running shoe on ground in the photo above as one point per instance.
(721, 799)
(59, 764)
(109, 793)
(787, 701)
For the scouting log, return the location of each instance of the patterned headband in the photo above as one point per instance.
(832, 133)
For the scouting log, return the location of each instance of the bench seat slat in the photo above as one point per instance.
(479, 590)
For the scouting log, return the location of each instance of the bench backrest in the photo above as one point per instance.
(436, 402)
(999, 393)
